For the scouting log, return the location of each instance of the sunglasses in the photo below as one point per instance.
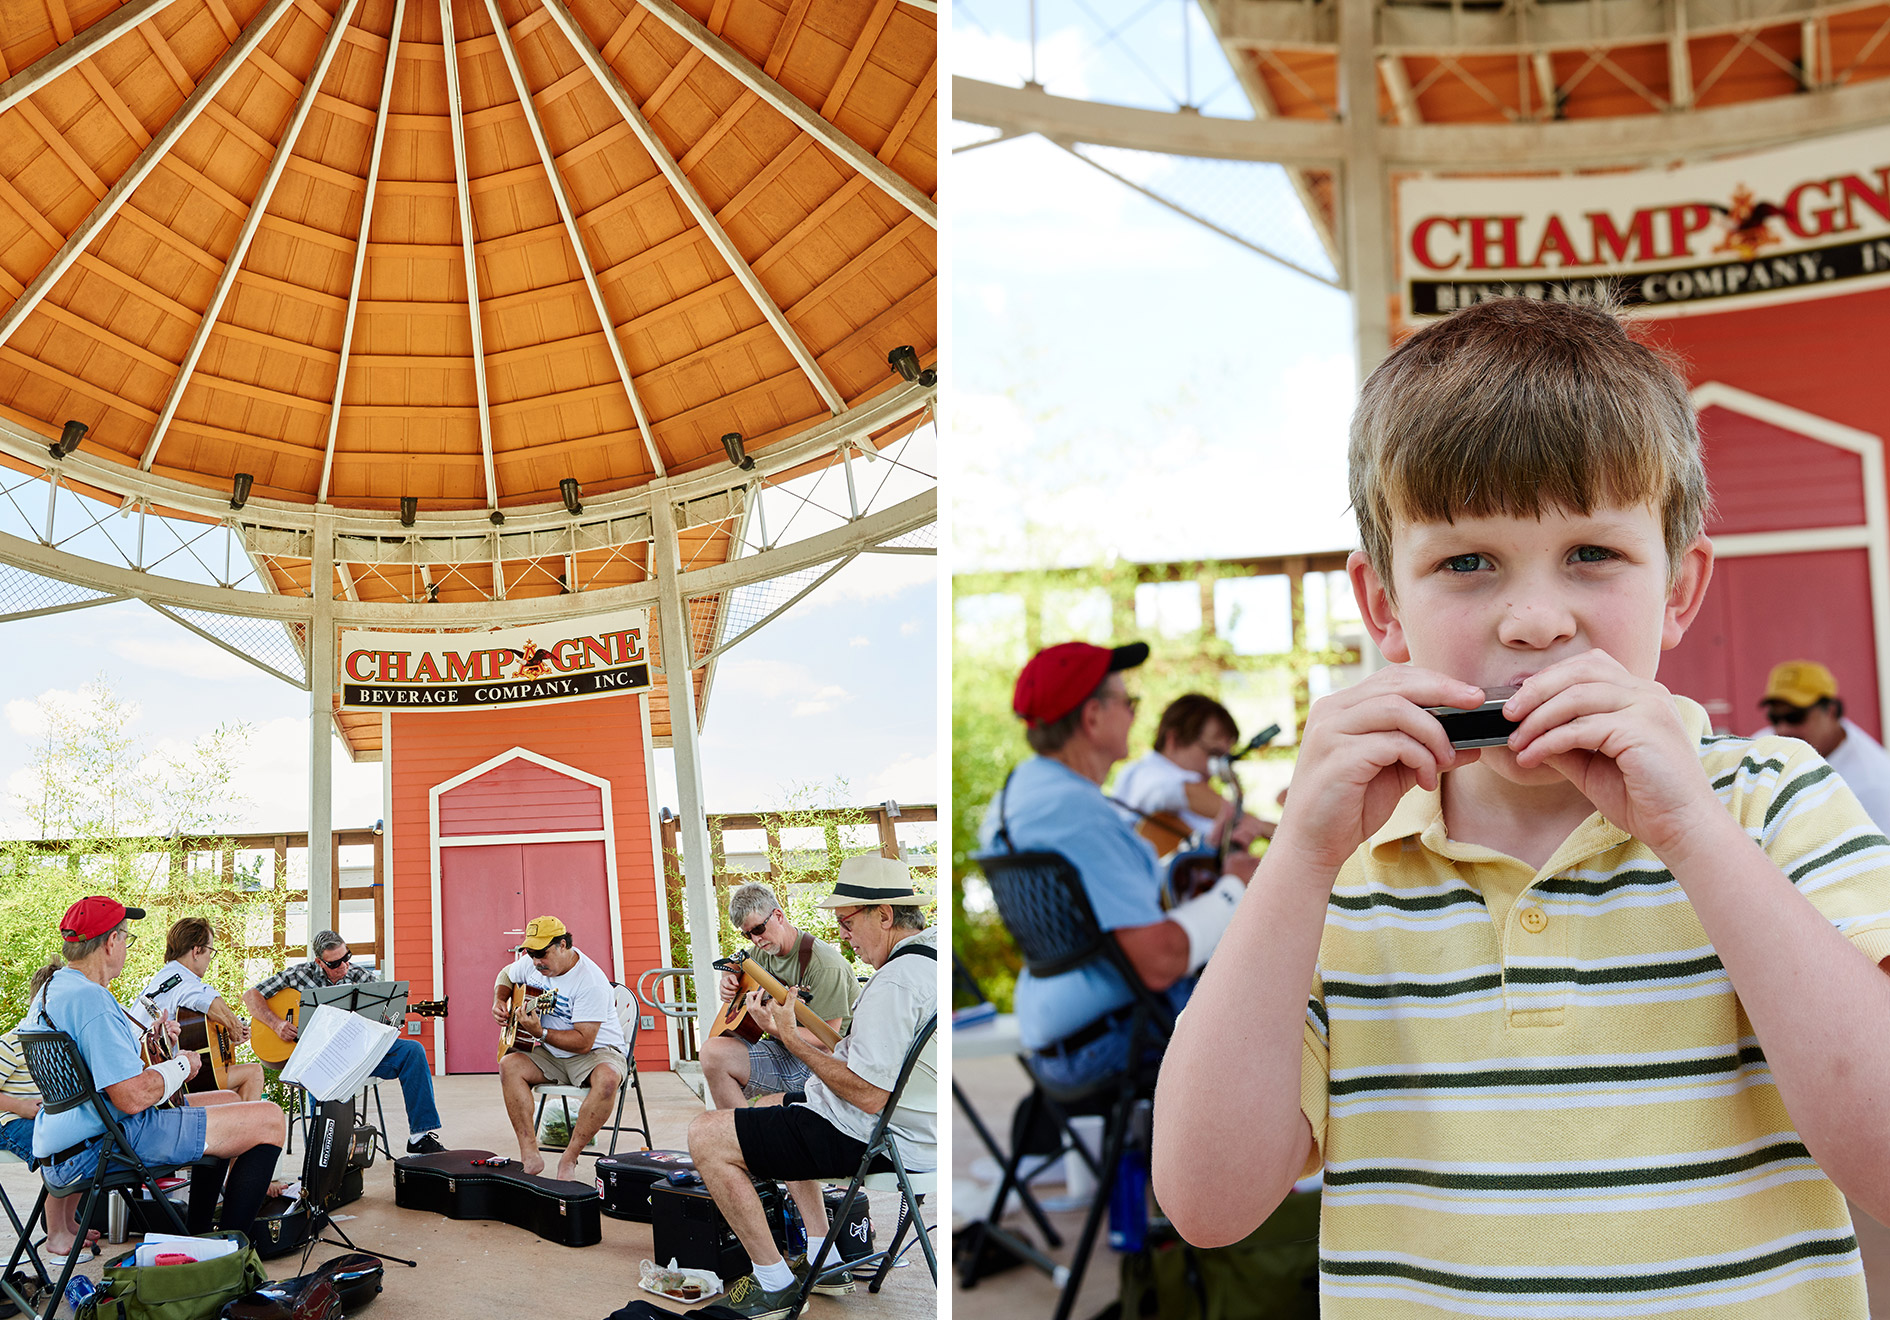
(754, 932)
(1789, 716)
(342, 961)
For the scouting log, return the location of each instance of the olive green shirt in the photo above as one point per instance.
(829, 975)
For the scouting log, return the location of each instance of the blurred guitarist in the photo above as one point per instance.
(1170, 784)
(576, 1038)
(333, 964)
(178, 984)
(739, 1070)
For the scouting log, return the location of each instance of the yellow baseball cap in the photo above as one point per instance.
(540, 931)
(1800, 683)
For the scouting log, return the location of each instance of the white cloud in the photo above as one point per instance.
(859, 641)
(909, 627)
(821, 701)
(181, 653)
(762, 677)
(911, 777)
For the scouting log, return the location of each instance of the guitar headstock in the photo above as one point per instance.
(433, 1008)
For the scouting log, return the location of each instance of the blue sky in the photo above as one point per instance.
(841, 689)
(1128, 382)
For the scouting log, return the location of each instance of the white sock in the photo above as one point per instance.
(776, 1277)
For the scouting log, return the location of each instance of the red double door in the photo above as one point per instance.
(487, 894)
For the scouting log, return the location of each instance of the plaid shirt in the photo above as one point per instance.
(310, 976)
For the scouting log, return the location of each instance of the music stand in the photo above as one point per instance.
(324, 1166)
(378, 1001)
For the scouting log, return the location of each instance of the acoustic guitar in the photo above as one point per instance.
(215, 1042)
(287, 1003)
(523, 1002)
(756, 977)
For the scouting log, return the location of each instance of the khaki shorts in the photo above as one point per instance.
(576, 1070)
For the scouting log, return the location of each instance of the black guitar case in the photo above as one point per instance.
(624, 1180)
(335, 1288)
(450, 1184)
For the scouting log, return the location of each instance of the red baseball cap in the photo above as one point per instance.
(91, 917)
(1059, 677)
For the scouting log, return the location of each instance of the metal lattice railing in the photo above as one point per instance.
(919, 538)
(745, 608)
(23, 593)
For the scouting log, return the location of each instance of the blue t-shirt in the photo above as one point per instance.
(1051, 808)
(85, 1011)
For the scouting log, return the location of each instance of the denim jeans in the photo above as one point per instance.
(1089, 1063)
(407, 1060)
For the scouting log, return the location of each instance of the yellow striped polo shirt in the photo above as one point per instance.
(14, 1079)
(1535, 1093)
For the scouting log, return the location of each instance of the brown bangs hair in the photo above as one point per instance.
(1519, 407)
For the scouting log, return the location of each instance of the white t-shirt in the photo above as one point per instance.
(1865, 766)
(583, 994)
(902, 994)
(1154, 783)
(186, 990)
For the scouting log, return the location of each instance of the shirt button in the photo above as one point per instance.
(1534, 920)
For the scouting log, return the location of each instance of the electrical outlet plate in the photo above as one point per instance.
(413, 1027)
(649, 1023)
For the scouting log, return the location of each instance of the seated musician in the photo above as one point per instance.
(178, 985)
(406, 1060)
(738, 1071)
(245, 1137)
(1171, 779)
(821, 1132)
(577, 1040)
(1077, 713)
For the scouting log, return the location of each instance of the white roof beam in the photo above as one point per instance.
(108, 205)
(360, 247)
(1398, 84)
(285, 148)
(1679, 58)
(569, 216)
(620, 97)
(82, 47)
(464, 192)
(876, 171)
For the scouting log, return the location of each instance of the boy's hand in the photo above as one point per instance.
(1365, 748)
(1619, 740)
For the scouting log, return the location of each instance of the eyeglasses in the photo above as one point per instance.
(1789, 716)
(338, 963)
(131, 938)
(1131, 702)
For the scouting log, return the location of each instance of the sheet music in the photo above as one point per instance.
(335, 1050)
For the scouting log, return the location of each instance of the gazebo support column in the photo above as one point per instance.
(321, 726)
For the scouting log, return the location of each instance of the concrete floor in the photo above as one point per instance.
(476, 1268)
(995, 1086)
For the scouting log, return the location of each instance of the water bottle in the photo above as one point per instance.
(78, 1291)
(1128, 1202)
(796, 1230)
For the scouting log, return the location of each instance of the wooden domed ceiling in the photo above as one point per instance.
(694, 219)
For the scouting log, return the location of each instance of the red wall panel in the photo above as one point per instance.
(1766, 479)
(521, 797)
(603, 738)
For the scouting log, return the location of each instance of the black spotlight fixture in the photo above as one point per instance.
(433, 593)
(737, 452)
(239, 490)
(496, 518)
(568, 489)
(409, 509)
(906, 362)
(68, 439)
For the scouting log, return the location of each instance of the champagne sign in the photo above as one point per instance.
(597, 656)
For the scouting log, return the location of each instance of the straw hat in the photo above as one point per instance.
(869, 880)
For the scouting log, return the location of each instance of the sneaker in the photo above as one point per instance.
(829, 1286)
(747, 1297)
(425, 1144)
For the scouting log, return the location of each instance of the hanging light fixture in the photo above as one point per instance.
(905, 361)
(737, 452)
(68, 439)
(568, 490)
(409, 509)
(239, 490)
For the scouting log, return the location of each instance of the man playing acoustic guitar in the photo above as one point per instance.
(179, 985)
(744, 1067)
(576, 1039)
(406, 1059)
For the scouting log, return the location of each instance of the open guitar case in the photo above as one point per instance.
(284, 1226)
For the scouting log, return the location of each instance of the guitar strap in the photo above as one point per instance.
(907, 946)
(807, 955)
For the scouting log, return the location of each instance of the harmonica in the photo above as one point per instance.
(1481, 726)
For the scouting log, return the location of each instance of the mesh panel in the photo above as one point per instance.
(263, 640)
(58, 1070)
(1044, 907)
(22, 592)
(919, 538)
(1252, 201)
(743, 608)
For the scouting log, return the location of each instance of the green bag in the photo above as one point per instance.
(1271, 1274)
(196, 1291)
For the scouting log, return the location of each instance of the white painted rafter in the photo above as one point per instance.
(252, 221)
(569, 217)
(360, 247)
(464, 191)
(705, 218)
(1398, 84)
(810, 121)
(82, 47)
(109, 205)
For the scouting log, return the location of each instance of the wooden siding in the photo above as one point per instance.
(602, 738)
(521, 797)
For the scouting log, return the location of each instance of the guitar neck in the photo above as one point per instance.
(803, 1014)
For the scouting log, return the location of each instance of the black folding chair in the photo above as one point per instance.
(1041, 898)
(881, 1169)
(65, 1083)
